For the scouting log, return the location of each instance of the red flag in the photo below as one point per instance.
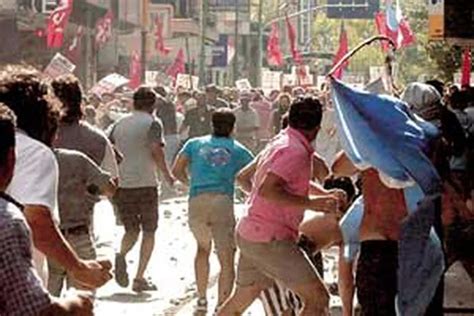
(178, 66)
(159, 41)
(292, 37)
(74, 47)
(57, 23)
(395, 26)
(104, 28)
(466, 68)
(135, 71)
(341, 52)
(274, 55)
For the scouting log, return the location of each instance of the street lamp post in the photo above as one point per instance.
(144, 34)
(235, 64)
(260, 44)
(202, 53)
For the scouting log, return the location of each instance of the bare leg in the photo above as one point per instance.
(128, 241)
(201, 268)
(240, 300)
(148, 244)
(315, 298)
(226, 275)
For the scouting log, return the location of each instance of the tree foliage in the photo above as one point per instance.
(424, 59)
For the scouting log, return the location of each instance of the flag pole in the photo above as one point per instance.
(356, 49)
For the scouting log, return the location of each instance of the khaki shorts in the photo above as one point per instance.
(262, 263)
(211, 218)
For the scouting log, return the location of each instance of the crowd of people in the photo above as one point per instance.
(62, 150)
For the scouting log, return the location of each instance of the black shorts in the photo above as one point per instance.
(138, 207)
(376, 278)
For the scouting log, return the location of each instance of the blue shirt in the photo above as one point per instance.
(213, 163)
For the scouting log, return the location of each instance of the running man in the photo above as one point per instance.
(267, 235)
(213, 162)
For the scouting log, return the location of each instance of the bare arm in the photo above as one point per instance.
(346, 283)
(320, 168)
(48, 240)
(244, 177)
(273, 188)
(159, 157)
(180, 167)
(343, 167)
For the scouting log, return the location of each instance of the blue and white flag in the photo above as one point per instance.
(378, 131)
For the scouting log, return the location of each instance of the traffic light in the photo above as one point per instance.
(452, 20)
(352, 9)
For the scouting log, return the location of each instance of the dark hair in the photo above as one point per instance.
(343, 183)
(284, 120)
(144, 99)
(437, 84)
(7, 130)
(459, 99)
(305, 114)
(23, 91)
(160, 90)
(223, 121)
(68, 90)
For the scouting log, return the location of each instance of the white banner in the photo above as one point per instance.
(59, 66)
(109, 84)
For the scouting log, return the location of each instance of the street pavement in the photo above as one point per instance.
(172, 269)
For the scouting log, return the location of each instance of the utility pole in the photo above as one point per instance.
(144, 33)
(260, 44)
(202, 54)
(235, 68)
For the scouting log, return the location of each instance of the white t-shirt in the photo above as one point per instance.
(246, 119)
(35, 182)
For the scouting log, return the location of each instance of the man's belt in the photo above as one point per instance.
(77, 230)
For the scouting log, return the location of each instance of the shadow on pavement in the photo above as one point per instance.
(129, 298)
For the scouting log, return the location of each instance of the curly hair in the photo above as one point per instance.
(7, 130)
(24, 91)
(69, 91)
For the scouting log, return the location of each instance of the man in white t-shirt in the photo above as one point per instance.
(247, 122)
(36, 174)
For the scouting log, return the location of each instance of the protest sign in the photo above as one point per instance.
(187, 81)
(109, 84)
(271, 80)
(303, 75)
(288, 80)
(243, 84)
(59, 66)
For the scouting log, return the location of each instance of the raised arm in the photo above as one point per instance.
(343, 167)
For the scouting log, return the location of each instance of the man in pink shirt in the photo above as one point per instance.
(280, 193)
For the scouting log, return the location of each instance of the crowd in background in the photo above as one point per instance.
(72, 148)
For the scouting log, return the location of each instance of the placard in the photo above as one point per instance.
(243, 84)
(109, 84)
(187, 81)
(271, 80)
(59, 66)
(288, 80)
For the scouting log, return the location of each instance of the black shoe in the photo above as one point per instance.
(142, 285)
(121, 275)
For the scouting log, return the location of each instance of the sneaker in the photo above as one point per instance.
(121, 275)
(201, 306)
(142, 285)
